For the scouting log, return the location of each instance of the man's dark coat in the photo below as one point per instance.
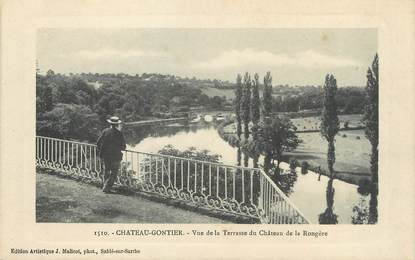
(110, 144)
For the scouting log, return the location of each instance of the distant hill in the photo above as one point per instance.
(286, 98)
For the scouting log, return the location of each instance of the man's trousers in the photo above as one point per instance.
(110, 173)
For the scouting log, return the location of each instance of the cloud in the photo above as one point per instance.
(308, 58)
(108, 53)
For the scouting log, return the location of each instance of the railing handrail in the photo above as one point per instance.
(260, 171)
(165, 155)
(282, 194)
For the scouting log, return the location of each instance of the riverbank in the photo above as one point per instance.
(352, 164)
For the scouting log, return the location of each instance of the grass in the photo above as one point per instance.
(352, 148)
(66, 200)
(352, 154)
(313, 123)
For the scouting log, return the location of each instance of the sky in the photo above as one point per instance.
(293, 56)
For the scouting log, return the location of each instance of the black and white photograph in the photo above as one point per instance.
(207, 125)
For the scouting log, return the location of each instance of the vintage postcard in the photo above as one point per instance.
(217, 130)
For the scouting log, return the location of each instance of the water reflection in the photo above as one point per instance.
(354, 204)
(328, 216)
(134, 135)
(246, 160)
(373, 206)
(239, 156)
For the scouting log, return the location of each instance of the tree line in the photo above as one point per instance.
(68, 107)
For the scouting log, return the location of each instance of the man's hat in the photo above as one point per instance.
(114, 120)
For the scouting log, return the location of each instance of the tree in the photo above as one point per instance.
(50, 73)
(329, 119)
(132, 110)
(217, 102)
(275, 137)
(70, 121)
(238, 97)
(267, 94)
(371, 121)
(255, 106)
(45, 98)
(255, 113)
(246, 104)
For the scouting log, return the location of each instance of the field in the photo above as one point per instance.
(352, 154)
(313, 123)
(352, 148)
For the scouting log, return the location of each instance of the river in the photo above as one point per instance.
(307, 191)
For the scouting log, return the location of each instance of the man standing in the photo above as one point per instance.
(110, 144)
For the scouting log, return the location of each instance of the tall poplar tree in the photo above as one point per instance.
(267, 95)
(246, 104)
(329, 120)
(256, 115)
(255, 105)
(238, 99)
(371, 121)
(371, 115)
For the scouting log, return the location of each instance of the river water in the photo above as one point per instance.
(308, 192)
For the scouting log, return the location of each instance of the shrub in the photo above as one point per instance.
(364, 186)
(293, 164)
(304, 167)
(69, 121)
(344, 135)
(358, 137)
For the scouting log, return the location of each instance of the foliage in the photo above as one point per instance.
(349, 100)
(285, 182)
(237, 104)
(329, 120)
(246, 103)
(267, 95)
(196, 179)
(255, 114)
(364, 187)
(364, 214)
(217, 102)
(304, 167)
(190, 153)
(371, 115)
(132, 98)
(44, 99)
(255, 106)
(360, 213)
(69, 121)
(276, 137)
(293, 164)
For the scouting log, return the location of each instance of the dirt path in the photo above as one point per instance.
(65, 200)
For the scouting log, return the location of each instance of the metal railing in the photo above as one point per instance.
(233, 189)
